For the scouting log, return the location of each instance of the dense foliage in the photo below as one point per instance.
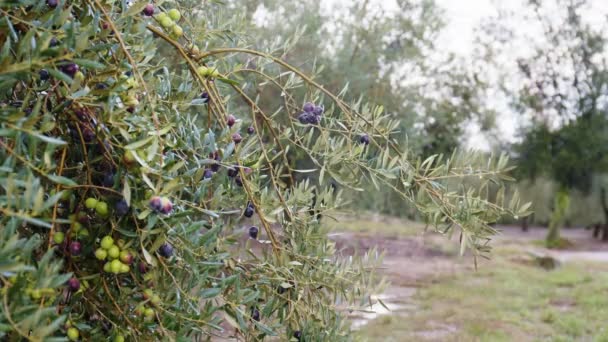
(146, 193)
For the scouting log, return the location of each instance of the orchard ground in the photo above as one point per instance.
(436, 295)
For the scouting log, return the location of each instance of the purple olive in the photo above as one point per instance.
(121, 207)
(75, 248)
(309, 107)
(249, 210)
(253, 232)
(74, 284)
(205, 97)
(233, 171)
(255, 314)
(88, 135)
(44, 75)
(231, 120)
(215, 167)
(364, 139)
(143, 268)
(318, 111)
(208, 174)
(166, 206)
(70, 69)
(149, 10)
(166, 250)
(108, 180)
(156, 203)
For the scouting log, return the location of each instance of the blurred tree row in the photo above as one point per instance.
(561, 91)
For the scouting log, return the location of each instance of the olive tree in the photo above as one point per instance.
(146, 192)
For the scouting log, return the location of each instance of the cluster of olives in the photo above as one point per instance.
(168, 20)
(73, 333)
(118, 260)
(207, 72)
(148, 313)
(100, 207)
(311, 115)
(161, 205)
(37, 294)
(83, 127)
(129, 97)
(76, 230)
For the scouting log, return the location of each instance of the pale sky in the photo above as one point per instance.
(464, 16)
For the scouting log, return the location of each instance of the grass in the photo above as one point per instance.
(369, 223)
(505, 301)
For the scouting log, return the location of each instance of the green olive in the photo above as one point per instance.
(107, 242)
(73, 334)
(58, 237)
(167, 22)
(174, 14)
(115, 266)
(177, 31)
(101, 254)
(113, 252)
(90, 203)
(102, 208)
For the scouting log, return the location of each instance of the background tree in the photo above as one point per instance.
(560, 91)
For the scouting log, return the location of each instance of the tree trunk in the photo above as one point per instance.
(553, 235)
(562, 202)
(596, 230)
(605, 208)
(524, 224)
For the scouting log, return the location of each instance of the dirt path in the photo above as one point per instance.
(584, 246)
(409, 263)
(414, 261)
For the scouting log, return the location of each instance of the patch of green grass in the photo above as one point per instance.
(539, 243)
(506, 301)
(560, 243)
(374, 224)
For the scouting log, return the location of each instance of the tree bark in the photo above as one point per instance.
(605, 208)
(596, 230)
(561, 204)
